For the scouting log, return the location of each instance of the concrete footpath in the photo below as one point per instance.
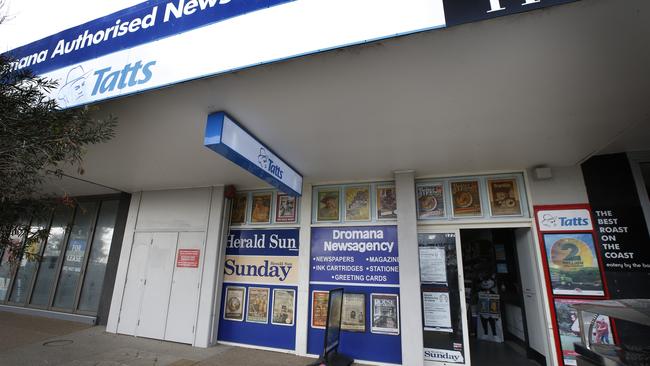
(27, 340)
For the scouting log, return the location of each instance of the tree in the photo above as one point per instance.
(37, 140)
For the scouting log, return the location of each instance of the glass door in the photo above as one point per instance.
(444, 314)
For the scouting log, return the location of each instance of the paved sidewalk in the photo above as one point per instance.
(27, 341)
(17, 330)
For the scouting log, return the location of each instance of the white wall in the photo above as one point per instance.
(196, 210)
(567, 186)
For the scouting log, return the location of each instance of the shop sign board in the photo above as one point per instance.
(262, 257)
(465, 11)
(259, 288)
(158, 43)
(573, 267)
(564, 220)
(355, 255)
(161, 42)
(363, 260)
(227, 138)
(188, 258)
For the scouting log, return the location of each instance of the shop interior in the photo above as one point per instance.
(498, 296)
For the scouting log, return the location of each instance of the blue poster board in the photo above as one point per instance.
(362, 260)
(260, 262)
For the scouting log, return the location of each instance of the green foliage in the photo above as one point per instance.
(37, 139)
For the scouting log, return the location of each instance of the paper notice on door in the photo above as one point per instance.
(437, 314)
(433, 265)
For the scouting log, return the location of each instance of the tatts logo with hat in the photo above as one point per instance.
(74, 88)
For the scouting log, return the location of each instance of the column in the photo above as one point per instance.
(409, 269)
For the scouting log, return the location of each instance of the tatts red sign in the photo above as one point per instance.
(188, 258)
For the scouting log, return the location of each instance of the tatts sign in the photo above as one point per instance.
(262, 257)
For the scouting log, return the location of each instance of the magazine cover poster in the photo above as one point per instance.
(504, 197)
(261, 211)
(569, 328)
(354, 312)
(431, 201)
(573, 265)
(258, 305)
(285, 208)
(319, 301)
(385, 314)
(386, 203)
(234, 303)
(357, 203)
(284, 302)
(328, 205)
(466, 198)
(238, 215)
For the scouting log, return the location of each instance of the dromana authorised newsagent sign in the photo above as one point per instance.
(157, 43)
(161, 42)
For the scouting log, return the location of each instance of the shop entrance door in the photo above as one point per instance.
(503, 297)
(161, 294)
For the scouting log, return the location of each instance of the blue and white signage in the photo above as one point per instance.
(564, 220)
(355, 255)
(161, 42)
(224, 136)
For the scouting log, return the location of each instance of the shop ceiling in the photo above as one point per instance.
(552, 87)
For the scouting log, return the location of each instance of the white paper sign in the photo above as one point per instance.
(437, 313)
(433, 265)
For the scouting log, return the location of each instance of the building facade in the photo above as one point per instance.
(465, 176)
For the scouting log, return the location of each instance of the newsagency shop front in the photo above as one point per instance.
(465, 177)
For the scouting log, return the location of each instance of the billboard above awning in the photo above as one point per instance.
(163, 42)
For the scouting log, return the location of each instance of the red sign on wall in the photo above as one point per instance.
(188, 258)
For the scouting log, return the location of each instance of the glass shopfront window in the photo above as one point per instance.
(27, 268)
(50, 259)
(74, 255)
(442, 305)
(5, 275)
(66, 271)
(101, 246)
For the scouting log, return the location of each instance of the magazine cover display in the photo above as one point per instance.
(261, 211)
(386, 203)
(354, 312)
(258, 305)
(504, 197)
(431, 200)
(319, 301)
(466, 198)
(239, 203)
(357, 203)
(285, 208)
(234, 303)
(328, 205)
(283, 307)
(385, 314)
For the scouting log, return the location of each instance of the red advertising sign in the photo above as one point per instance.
(188, 258)
(573, 269)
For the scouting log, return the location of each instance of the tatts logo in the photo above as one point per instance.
(260, 269)
(75, 86)
(564, 220)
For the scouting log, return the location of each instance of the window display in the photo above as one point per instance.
(441, 303)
